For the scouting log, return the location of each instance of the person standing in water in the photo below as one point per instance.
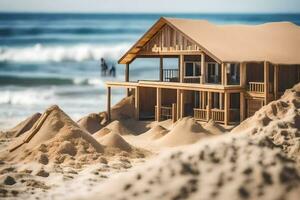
(112, 71)
(104, 67)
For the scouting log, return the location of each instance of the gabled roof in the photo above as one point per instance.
(276, 42)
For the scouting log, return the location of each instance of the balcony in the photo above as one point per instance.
(258, 87)
(170, 75)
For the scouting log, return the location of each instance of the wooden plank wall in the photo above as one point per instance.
(168, 39)
(147, 101)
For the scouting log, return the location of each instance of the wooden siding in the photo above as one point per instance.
(168, 39)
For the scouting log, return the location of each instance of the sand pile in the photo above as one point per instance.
(257, 163)
(185, 131)
(92, 122)
(154, 133)
(114, 140)
(22, 127)
(55, 137)
(214, 128)
(115, 127)
(124, 109)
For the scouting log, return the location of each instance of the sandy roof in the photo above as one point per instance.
(277, 42)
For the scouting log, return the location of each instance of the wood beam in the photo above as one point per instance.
(203, 70)
(127, 73)
(223, 73)
(158, 104)
(181, 104)
(109, 104)
(266, 82)
(161, 66)
(181, 67)
(208, 106)
(242, 106)
(226, 108)
(276, 81)
(178, 103)
(227, 65)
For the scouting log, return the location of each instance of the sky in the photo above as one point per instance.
(152, 6)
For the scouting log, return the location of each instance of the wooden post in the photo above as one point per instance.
(158, 104)
(266, 82)
(174, 112)
(242, 106)
(127, 78)
(161, 72)
(223, 73)
(178, 104)
(208, 106)
(220, 101)
(137, 103)
(275, 82)
(226, 104)
(181, 68)
(203, 70)
(108, 103)
(181, 103)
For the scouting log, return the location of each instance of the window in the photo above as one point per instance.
(192, 69)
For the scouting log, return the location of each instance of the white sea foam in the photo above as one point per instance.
(26, 97)
(80, 52)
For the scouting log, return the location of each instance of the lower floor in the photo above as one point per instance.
(227, 107)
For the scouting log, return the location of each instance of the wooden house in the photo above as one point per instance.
(224, 72)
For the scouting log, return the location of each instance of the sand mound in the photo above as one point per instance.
(104, 131)
(116, 141)
(185, 131)
(23, 126)
(214, 128)
(259, 163)
(91, 123)
(115, 126)
(55, 134)
(154, 133)
(124, 109)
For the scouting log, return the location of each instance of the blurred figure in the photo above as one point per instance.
(103, 67)
(112, 71)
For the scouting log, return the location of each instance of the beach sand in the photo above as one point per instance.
(50, 156)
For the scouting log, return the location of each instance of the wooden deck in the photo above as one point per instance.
(177, 85)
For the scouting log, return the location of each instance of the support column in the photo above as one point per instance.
(275, 82)
(127, 78)
(220, 100)
(108, 104)
(223, 73)
(208, 106)
(158, 104)
(242, 106)
(243, 74)
(203, 70)
(161, 71)
(226, 104)
(266, 82)
(181, 103)
(178, 103)
(137, 103)
(181, 67)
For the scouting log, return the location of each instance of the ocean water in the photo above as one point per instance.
(50, 59)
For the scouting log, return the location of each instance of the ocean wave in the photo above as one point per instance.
(15, 31)
(42, 81)
(26, 97)
(76, 53)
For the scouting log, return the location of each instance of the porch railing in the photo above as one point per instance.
(166, 112)
(256, 87)
(192, 79)
(200, 114)
(217, 115)
(170, 75)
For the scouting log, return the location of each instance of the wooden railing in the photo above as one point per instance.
(170, 75)
(192, 79)
(167, 112)
(200, 114)
(256, 87)
(217, 115)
